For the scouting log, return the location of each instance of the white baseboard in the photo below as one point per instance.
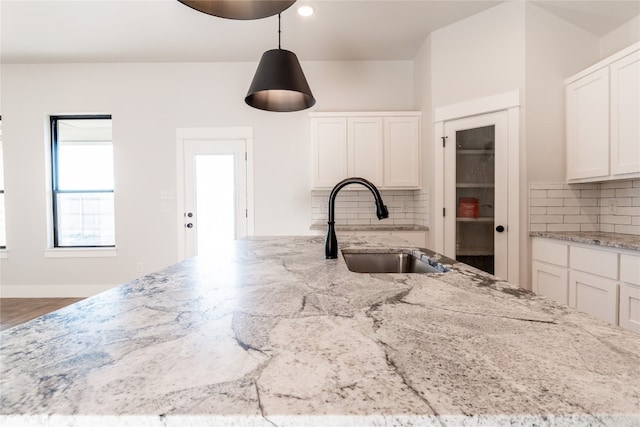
(51, 291)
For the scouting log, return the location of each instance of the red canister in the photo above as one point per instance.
(468, 207)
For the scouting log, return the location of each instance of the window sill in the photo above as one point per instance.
(80, 253)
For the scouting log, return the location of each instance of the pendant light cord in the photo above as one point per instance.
(279, 31)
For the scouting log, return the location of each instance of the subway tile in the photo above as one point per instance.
(628, 192)
(615, 219)
(628, 229)
(548, 219)
(608, 193)
(538, 227)
(616, 184)
(618, 201)
(538, 194)
(580, 219)
(590, 210)
(590, 193)
(607, 228)
(546, 202)
(584, 186)
(563, 227)
(552, 194)
(589, 227)
(628, 210)
(574, 210)
(580, 202)
(538, 210)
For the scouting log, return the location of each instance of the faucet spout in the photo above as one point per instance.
(331, 242)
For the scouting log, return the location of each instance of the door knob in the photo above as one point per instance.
(499, 229)
(189, 225)
(189, 214)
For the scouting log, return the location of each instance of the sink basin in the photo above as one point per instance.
(397, 261)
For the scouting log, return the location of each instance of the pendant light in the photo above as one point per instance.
(239, 9)
(279, 83)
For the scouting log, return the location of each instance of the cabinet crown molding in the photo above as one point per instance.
(603, 63)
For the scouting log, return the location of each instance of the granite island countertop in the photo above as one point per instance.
(270, 333)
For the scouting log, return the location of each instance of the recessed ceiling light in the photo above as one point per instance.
(306, 10)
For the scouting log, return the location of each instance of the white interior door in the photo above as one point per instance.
(475, 191)
(214, 186)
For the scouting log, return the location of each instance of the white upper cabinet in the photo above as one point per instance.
(364, 144)
(588, 126)
(625, 115)
(383, 148)
(402, 152)
(603, 119)
(329, 150)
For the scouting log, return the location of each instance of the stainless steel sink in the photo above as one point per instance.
(396, 261)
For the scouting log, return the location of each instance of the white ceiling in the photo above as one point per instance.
(168, 31)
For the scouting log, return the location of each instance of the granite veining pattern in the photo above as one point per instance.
(599, 238)
(272, 334)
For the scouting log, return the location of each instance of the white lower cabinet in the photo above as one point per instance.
(601, 281)
(630, 307)
(629, 317)
(551, 281)
(595, 295)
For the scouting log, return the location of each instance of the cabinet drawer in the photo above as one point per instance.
(630, 268)
(550, 281)
(594, 295)
(630, 307)
(594, 261)
(551, 252)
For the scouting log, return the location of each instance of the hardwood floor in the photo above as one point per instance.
(14, 311)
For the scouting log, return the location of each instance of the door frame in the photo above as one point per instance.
(244, 134)
(509, 102)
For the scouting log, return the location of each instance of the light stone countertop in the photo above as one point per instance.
(598, 238)
(272, 334)
(322, 226)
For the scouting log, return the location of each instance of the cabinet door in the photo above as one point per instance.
(402, 152)
(588, 126)
(625, 115)
(365, 148)
(594, 295)
(550, 281)
(630, 307)
(329, 151)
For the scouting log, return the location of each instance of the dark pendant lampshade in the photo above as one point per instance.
(279, 84)
(239, 9)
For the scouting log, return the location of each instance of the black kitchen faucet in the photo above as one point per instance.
(331, 242)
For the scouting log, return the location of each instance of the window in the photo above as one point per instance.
(82, 178)
(3, 231)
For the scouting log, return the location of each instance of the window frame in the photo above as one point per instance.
(53, 127)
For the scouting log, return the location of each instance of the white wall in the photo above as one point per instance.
(479, 56)
(148, 102)
(555, 50)
(620, 38)
(513, 46)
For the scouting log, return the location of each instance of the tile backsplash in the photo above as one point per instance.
(612, 206)
(357, 207)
